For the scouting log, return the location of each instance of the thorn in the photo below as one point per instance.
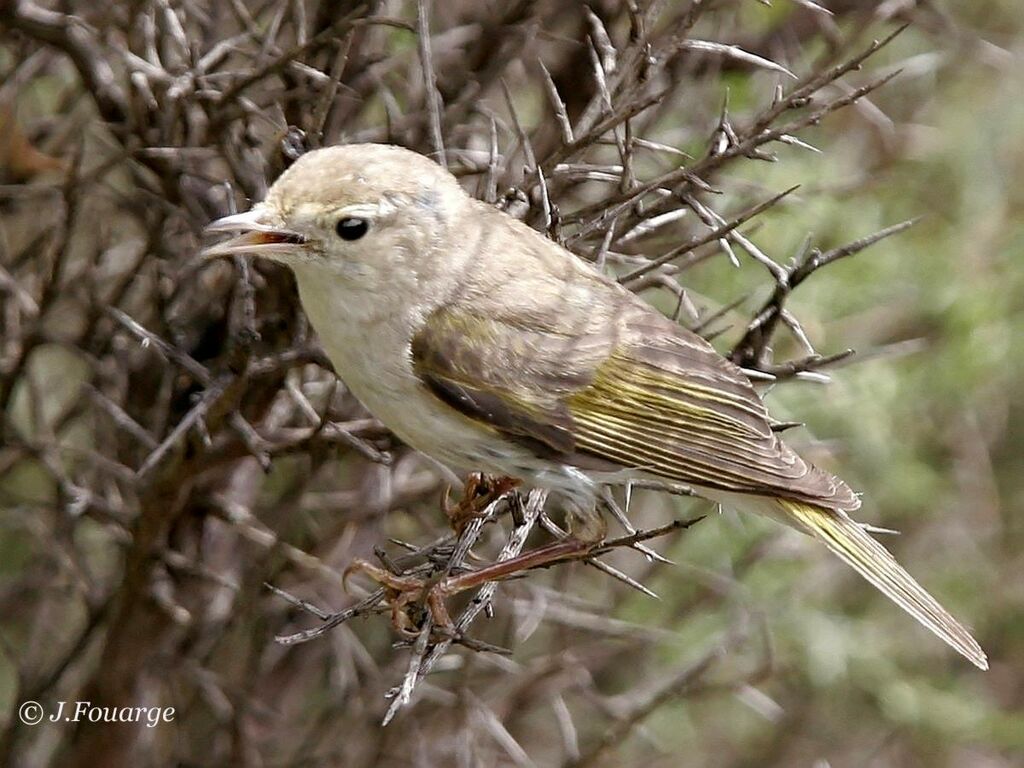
(629, 581)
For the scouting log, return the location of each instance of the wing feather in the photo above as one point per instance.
(630, 389)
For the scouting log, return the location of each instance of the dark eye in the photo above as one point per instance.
(351, 228)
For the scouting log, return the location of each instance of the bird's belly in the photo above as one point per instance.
(422, 421)
(372, 356)
(385, 383)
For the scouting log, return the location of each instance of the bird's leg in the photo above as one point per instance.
(479, 491)
(406, 592)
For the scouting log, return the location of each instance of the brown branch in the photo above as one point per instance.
(750, 350)
(72, 37)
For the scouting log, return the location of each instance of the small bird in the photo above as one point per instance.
(489, 347)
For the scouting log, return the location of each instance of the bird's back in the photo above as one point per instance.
(535, 337)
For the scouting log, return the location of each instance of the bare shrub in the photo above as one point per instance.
(173, 439)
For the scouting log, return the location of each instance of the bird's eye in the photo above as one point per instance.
(351, 228)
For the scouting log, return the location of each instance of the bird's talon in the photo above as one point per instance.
(478, 493)
(384, 577)
(406, 595)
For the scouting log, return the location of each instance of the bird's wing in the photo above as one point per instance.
(634, 391)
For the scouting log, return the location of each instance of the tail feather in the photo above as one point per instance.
(858, 549)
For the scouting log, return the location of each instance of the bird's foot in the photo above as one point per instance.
(409, 595)
(477, 494)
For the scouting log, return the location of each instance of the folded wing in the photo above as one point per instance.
(633, 391)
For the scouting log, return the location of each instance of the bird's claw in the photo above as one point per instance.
(407, 596)
(478, 493)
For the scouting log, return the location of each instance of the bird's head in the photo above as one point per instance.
(365, 213)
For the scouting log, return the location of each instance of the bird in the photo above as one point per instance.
(489, 347)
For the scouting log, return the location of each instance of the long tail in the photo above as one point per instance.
(871, 560)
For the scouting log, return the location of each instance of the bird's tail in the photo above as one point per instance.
(848, 539)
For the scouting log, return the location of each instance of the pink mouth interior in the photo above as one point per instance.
(271, 238)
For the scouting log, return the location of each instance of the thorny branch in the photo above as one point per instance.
(182, 414)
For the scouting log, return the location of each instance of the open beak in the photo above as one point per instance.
(260, 237)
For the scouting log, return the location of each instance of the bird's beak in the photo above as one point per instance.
(261, 236)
